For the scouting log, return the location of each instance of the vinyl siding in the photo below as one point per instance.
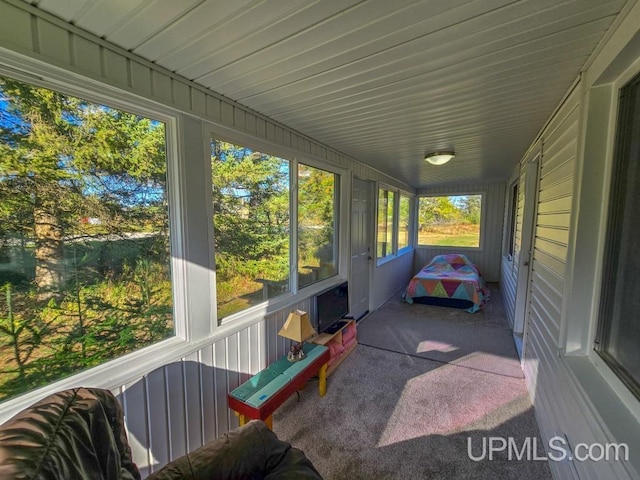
(541, 364)
(562, 407)
(391, 277)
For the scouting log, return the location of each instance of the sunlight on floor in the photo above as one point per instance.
(453, 399)
(435, 346)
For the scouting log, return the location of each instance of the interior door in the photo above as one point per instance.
(525, 258)
(361, 258)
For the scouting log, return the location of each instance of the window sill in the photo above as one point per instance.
(450, 247)
(246, 318)
(613, 415)
(391, 258)
(110, 375)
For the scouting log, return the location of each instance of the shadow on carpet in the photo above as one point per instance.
(391, 416)
(392, 412)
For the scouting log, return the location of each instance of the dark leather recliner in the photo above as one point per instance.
(80, 434)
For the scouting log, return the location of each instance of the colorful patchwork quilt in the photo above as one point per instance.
(449, 276)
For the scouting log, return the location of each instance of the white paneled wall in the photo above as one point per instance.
(488, 257)
(180, 406)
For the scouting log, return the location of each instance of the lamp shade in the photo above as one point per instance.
(297, 327)
(439, 158)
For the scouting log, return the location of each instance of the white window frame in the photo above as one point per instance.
(395, 251)
(246, 317)
(132, 365)
(483, 213)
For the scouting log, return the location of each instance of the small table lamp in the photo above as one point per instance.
(297, 328)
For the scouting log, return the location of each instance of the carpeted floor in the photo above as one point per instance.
(423, 381)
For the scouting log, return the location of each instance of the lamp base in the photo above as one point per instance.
(296, 353)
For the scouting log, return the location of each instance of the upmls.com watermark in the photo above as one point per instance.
(558, 450)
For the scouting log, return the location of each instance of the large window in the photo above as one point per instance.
(450, 221)
(252, 201)
(386, 223)
(251, 226)
(619, 324)
(84, 235)
(317, 240)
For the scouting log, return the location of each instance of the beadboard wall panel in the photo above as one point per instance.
(181, 406)
(488, 258)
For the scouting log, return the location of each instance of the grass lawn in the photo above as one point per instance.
(450, 236)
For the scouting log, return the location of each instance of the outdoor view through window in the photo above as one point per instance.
(84, 235)
(317, 246)
(251, 205)
(449, 220)
(251, 226)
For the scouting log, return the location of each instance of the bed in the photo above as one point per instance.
(450, 281)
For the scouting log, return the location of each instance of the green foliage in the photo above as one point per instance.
(447, 210)
(316, 223)
(251, 204)
(85, 326)
(251, 224)
(83, 234)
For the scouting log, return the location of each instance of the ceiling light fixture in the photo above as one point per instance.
(439, 158)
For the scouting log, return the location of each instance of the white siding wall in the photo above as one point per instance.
(558, 403)
(542, 337)
(574, 397)
(488, 258)
(176, 406)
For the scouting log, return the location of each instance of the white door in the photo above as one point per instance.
(525, 258)
(361, 259)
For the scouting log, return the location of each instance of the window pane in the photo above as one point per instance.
(317, 244)
(84, 235)
(386, 200)
(251, 226)
(619, 324)
(450, 221)
(404, 222)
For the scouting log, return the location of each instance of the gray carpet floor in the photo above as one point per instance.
(423, 383)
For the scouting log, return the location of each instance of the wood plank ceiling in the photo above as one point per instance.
(383, 81)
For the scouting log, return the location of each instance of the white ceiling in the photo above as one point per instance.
(380, 80)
